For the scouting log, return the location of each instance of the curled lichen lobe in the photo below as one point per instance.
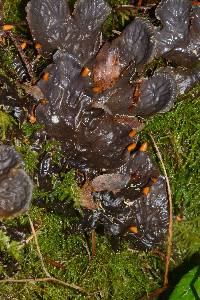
(15, 184)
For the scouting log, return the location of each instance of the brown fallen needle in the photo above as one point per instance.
(38, 247)
(139, 3)
(134, 8)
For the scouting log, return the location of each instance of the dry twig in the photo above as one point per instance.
(28, 240)
(49, 278)
(170, 228)
(93, 243)
(38, 248)
(45, 279)
(86, 248)
(134, 8)
(23, 57)
(54, 263)
(159, 291)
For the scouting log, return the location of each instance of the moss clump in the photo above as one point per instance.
(109, 275)
(14, 11)
(65, 187)
(6, 123)
(9, 247)
(30, 157)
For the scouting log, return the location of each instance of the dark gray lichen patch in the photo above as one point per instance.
(87, 110)
(180, 45)
(123, 209)
(15, 184)
(92, 100)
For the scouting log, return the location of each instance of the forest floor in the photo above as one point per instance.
(123, 274)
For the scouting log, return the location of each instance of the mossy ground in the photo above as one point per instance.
(109, 275)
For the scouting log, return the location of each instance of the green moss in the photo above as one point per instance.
(65, 187)
(187, 236)
(6, 58)
(6, 61)
(6, 123)
(30, 157)
(116, 21)
(9, 247)
(110, 275)
(29, 129)
(14, 11)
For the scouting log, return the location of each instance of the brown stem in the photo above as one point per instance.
(24, 58)
(134, 8)
(45, 279)
(38, 248)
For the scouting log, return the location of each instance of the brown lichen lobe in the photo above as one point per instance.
(107, 68)
(54, 27)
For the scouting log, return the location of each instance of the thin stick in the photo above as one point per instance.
(38, 248)
(134, 8)
(86, 248)
(24, 58)
(45, 279)
(116, 32)
(170, 228)
(28, 240)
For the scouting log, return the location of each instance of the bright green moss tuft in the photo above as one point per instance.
(6, 123)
